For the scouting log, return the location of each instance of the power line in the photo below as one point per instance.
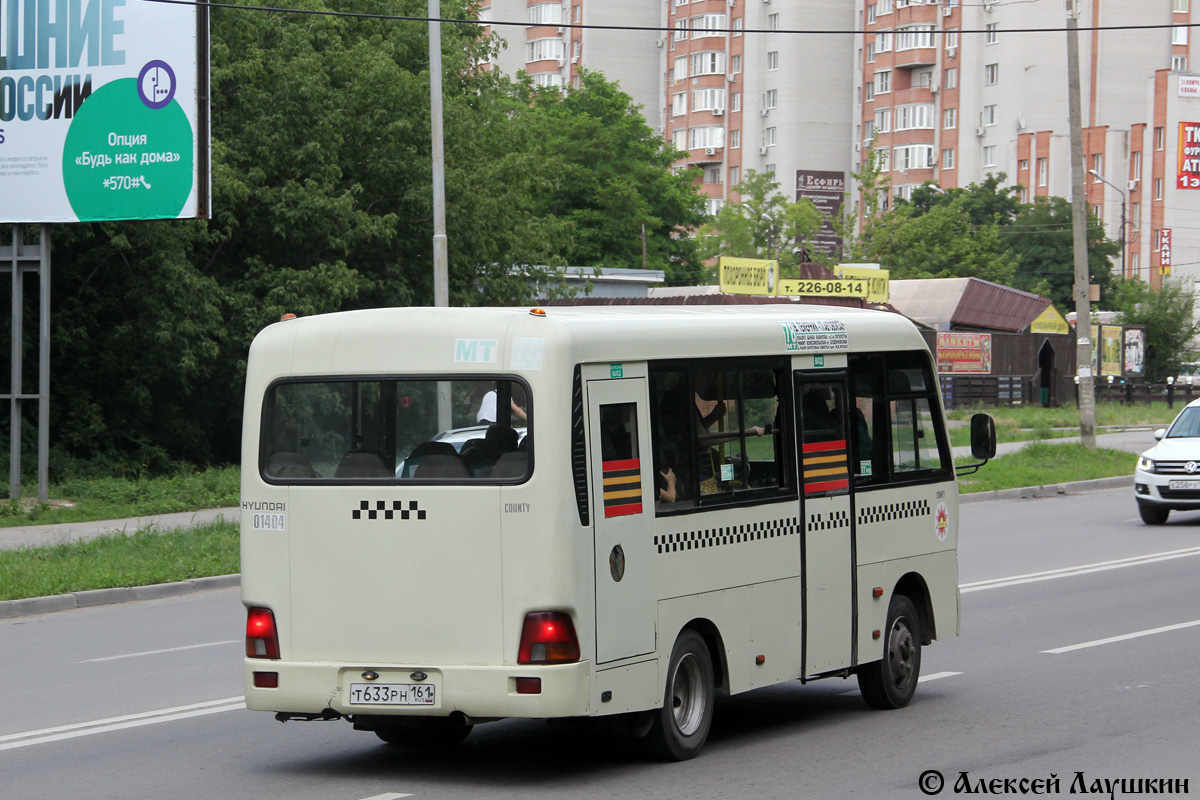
(647, 28)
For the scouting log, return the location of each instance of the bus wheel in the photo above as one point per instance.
(891, 681)
(424, 733)
(681, 726)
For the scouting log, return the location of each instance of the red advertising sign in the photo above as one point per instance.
(1189, 156)
(964, 353)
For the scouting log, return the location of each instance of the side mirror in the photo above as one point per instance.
(983, 437)
(1160, 433)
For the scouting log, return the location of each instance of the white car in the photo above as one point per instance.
(1168, 474)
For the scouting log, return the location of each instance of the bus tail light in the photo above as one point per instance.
(262, 639)
(548, 637)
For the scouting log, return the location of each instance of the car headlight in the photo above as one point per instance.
(1145, 464)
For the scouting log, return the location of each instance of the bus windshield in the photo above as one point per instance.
(384, 430)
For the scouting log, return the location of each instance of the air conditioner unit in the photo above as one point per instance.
(947, 11)
(718, 112)
(762, 151)
(764, 111)
(562, 62)
(660, 42)
(1131, 185)
(857, 147)
(710, 151)
(951, 52)
(731, 78)
(934, 88)
(574, 59)
(561, 29)
(979, 131)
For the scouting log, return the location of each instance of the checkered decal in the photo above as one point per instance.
(891, 512)
(829, 522)
(381, 509)
(718, 537)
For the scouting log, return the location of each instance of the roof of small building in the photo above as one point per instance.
(959, 303)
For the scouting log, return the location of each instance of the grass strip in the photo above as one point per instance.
(116, 560)
(120, 498)
(1041, 464)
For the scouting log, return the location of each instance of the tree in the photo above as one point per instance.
(764, 224)
(1041, 239)
(1167, 314)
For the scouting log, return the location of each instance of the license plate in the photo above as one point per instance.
(1183, 486)
(392, 694)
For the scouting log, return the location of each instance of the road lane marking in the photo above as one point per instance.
(1124, 637)
(45, 735)
(388, 796)
(1068, 572)
(156, 652)
(923, 679)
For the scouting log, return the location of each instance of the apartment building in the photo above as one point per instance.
(729, 82)
(949, 92)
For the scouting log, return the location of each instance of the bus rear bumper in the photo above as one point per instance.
(311, 689)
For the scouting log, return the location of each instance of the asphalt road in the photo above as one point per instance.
(1079, 653)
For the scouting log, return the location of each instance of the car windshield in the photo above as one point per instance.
(1186, 425)
(385, 430)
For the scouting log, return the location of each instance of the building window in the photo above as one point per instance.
(769, 137)
(681, 30)
(1135, 214)
(1179, 35)
(1023, 164)
(773, 60)
(546, 79)
(706, 136)
(1098, 212)
(680, 70)
(577, 13)
(950, 118)
(708, 63)
(735, 64)
(544, 50)
(1158, 188)
(871, 53)
(735, 101)
(735, 139)
(708, 99)
(948, 159)
(1097, 166)
(871, 15)
(1043, 171)
(951, 38)
(771, 99)
(912, 37)
(989, 155)
(715, 204)
(679, 104)
(769, 169)
(918, 115)
(773, 22)
(545, 14)
(870, 90)
(1180, 6)
(952, 78)
(1160, 138)
(737, 27)
(991, 74)
(883, 82)
(883, 120)
(712, 175)
(709, 25)
(993, 34)
(679, 139)
(1137, 165)
(883, 41)
(885, 7)
(1179, 63)
(989, 115)
(735, 176)
(913, 156)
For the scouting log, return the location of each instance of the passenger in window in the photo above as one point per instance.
(487, 406)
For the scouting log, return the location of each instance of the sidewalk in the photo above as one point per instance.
(41, 535)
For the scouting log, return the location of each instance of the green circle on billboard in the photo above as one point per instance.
(124, 159)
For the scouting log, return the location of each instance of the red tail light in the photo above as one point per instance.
(262, 639)
(548, 637)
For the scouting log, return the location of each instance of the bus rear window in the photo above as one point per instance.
(388, 430)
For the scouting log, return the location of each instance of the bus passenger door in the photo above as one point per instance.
(827, 544)
(623, 499)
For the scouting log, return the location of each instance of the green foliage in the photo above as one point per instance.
(1046, 464)
(322, 202)
(765, 224)
(1042, 239)
(1167, 316)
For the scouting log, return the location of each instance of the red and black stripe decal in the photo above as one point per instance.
(622, 487)
(825, 467)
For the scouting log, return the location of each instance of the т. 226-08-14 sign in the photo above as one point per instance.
(103, 110)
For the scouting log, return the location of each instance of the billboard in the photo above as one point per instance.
(827, 191)
(103, 110)
(964, 353)
(1188, 176)
(1135, 351)
(1111, 355)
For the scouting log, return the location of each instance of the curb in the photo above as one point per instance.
(101, 597)
(1054, 490)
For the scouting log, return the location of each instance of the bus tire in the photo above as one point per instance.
(891, 681)
(424, 733)
(681, 726)
(1152, 514)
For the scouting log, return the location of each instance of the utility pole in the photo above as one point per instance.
(441, 270)
(1083, 311)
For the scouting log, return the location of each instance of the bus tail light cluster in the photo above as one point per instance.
(548, 637)
(262, 638)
